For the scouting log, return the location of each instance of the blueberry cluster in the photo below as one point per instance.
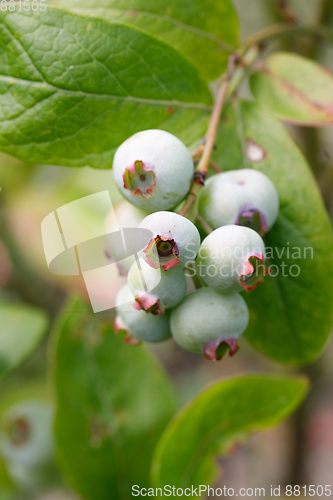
(154, 171)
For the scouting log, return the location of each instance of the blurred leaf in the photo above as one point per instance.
(21, 330)
(205, 31)
(222, 414)
(72, 88)
(113, 402)
(296, 89)
(290, 316)
(20, 388)
(7, 488)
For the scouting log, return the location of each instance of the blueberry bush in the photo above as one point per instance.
(236, 254)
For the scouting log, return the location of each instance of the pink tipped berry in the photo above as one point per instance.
(245, 197)
(210, 323)
(166, 289)
(176, 240)
(137, 325)
(231, 259)
(153, 169)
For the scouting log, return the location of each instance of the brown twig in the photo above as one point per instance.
(204, 224)
(236, 68)
(238, 64)
(213, 125)
(215, 166)
(203, 164)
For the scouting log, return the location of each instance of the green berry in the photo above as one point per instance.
(153, 169)
(231, 259)
(138, 325)
(209, 322)
(246, 197)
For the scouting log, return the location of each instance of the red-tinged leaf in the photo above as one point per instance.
(296, 89)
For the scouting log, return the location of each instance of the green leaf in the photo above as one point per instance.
(225, 412)
(290, 316)
(72, 88)
(113, 402)
(205, 31)
(21, 330)
(7, 488)
(296, 89)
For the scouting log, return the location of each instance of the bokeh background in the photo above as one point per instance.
(300, 451)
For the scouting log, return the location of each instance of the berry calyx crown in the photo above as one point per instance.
(253, 218)
(121, 327)
(139, 179)
(254, 272)
(162, 251)
(148, 303)
(215, 350)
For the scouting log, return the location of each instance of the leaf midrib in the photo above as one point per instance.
(129, 98)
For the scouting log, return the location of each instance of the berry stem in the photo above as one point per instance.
(214, 124)
(204, 224)
(215, 166)
(198, 152)
(236, 68)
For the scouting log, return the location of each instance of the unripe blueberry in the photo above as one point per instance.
(176, 240)
(209, 322)
(231, 258)
(167, 289)
(138, 325)
(123, 215)
(153, 169)
(27, 444)
(245, 197)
